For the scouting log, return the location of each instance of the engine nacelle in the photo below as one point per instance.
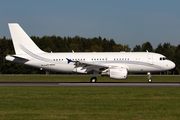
(118, 73)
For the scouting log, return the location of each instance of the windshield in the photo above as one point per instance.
(163, 58)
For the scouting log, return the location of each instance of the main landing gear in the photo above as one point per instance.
(94, 79)
(149, 77)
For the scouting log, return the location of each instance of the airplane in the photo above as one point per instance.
(116, 65)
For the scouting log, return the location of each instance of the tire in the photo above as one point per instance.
(93, 79)
(149, 80)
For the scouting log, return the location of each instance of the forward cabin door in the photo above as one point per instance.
(150, 59)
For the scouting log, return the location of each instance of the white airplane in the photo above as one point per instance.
(116, 65)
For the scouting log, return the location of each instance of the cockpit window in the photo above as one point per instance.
(163, 58)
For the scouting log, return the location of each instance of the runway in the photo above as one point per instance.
(79, 84)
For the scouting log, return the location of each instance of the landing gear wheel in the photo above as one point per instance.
(149, 77)
(93, 79)
(149, 80)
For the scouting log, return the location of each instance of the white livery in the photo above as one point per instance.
(116, 65)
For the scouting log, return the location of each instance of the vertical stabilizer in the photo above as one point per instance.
(21, 41)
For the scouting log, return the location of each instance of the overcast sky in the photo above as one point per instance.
(131, 22)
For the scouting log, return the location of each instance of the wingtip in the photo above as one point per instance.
(69, 60)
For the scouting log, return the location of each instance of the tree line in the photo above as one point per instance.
(80, 44)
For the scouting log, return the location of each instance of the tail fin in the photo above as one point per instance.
(21, 41)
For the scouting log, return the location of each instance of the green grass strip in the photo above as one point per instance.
(87, 103)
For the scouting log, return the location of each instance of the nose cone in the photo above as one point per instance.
(171, 65)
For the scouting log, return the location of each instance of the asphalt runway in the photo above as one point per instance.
(79, 84)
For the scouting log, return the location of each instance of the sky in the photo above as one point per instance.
(127, 22)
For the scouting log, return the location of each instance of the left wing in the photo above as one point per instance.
(98, 66)
(106, 69)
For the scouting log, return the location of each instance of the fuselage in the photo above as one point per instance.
(133, 61)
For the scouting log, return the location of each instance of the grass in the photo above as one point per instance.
(87, 103)
(82, 78)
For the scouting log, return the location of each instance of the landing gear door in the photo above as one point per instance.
(150, 59)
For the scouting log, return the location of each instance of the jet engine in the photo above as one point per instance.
(115, 73)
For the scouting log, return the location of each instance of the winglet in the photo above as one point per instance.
(69, 60)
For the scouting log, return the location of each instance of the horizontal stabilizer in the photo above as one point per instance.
(20, 57)
(16, 59)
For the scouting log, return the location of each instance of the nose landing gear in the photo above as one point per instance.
(149, 77)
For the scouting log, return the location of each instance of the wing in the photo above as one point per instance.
(85, 67)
